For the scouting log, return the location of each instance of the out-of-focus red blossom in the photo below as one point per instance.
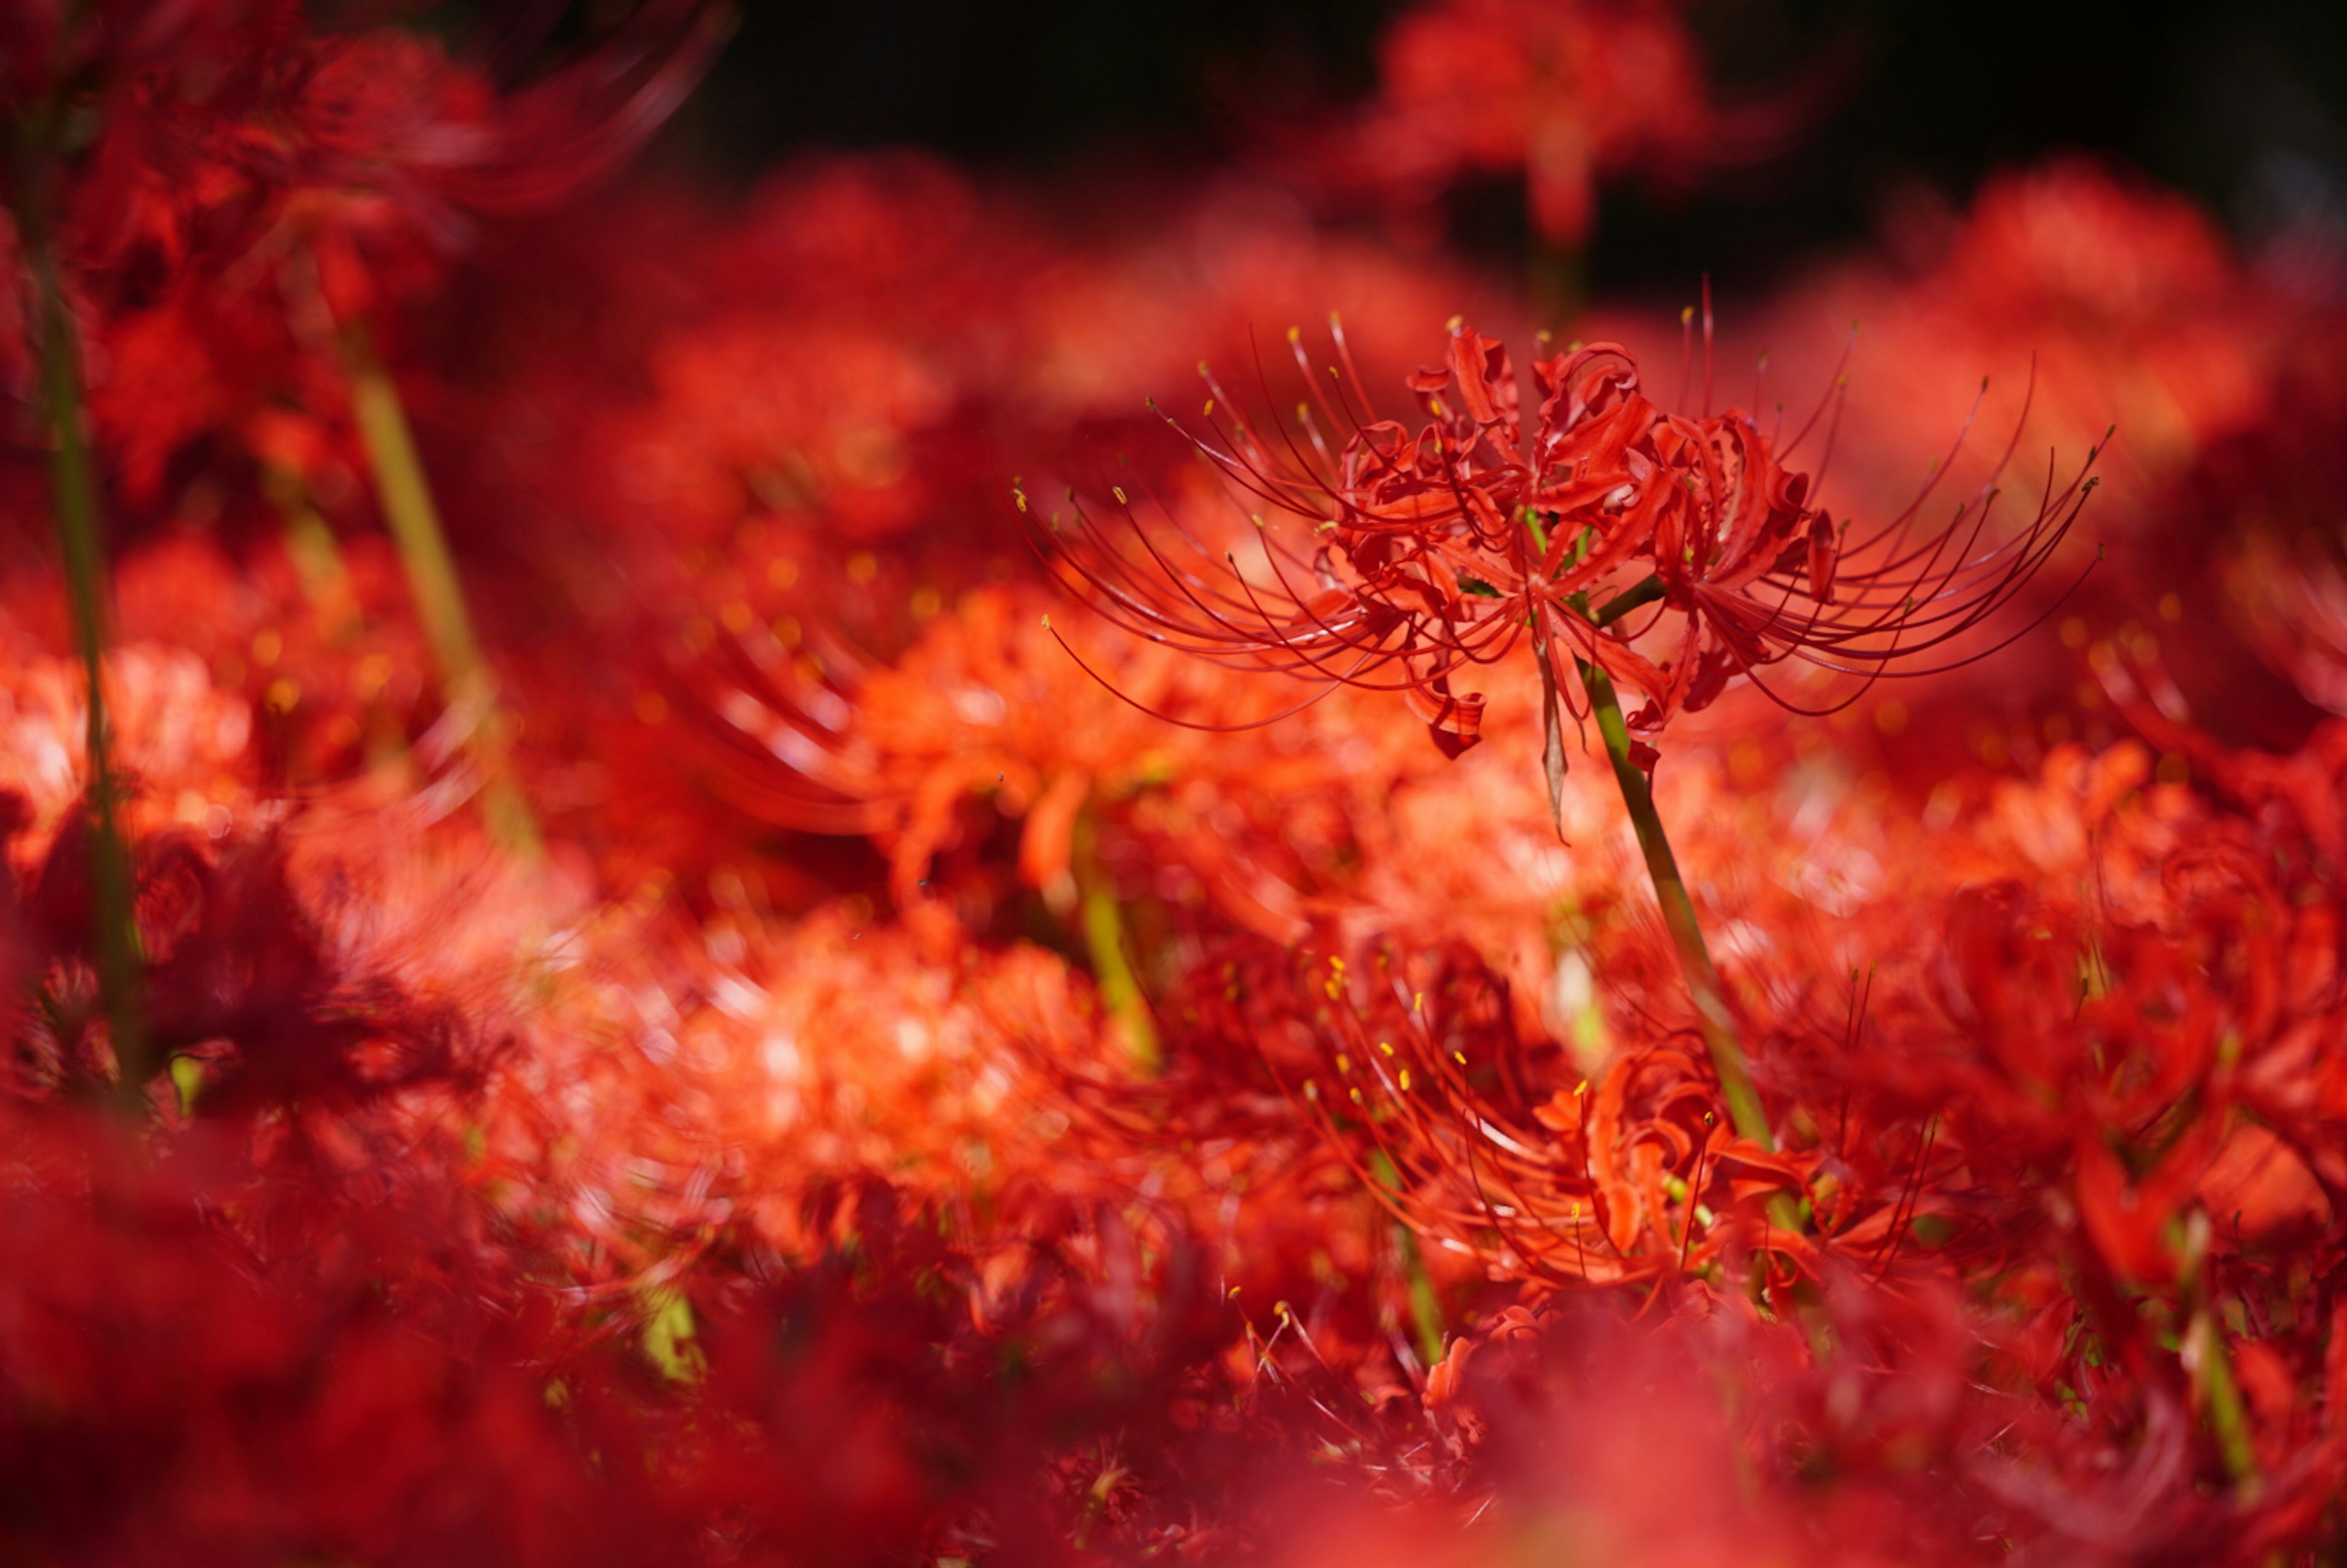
(210, 125)
(861, 344)
(2274, 577)
(1559, 91)
(1666, 1438)
(225, 184)
(177, 1382)
(2092, 295)
(987, 719)
(236, 982)
(2096, 298)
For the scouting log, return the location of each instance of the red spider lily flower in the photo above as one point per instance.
(1561, 90)
(165, 133)
(1432, 555)
(240, 981)
(1417, 1067)
(191, 168)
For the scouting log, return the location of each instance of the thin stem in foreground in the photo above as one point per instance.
(1719, 1025)
(1101, 917)
(74, 493)
(413, 520)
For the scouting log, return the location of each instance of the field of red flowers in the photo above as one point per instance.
(916, 868)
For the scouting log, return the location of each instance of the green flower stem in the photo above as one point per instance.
(1557, 282)
(409, 512)
(309, 542)
(74, 493)
(1703, 983)
(2208, 1364)
(1645, 591)
(2228, 1417)
(1101, 917)
(1426, 1321)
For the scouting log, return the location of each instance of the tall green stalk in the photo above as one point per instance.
(408, 510)
(74, 494)
(1712, 1015)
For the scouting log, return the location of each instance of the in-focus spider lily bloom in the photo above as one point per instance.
(1423, 556)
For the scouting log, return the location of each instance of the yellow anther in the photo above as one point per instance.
(1405, 1080)
(1118, 491)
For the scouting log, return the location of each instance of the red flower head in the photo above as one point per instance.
(1430, 554)
(1560, 90)
(152, 133)
(186, 166)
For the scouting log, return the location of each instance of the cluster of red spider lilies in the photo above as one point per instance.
(679, 889)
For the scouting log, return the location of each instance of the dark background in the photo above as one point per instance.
(2242, 105)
